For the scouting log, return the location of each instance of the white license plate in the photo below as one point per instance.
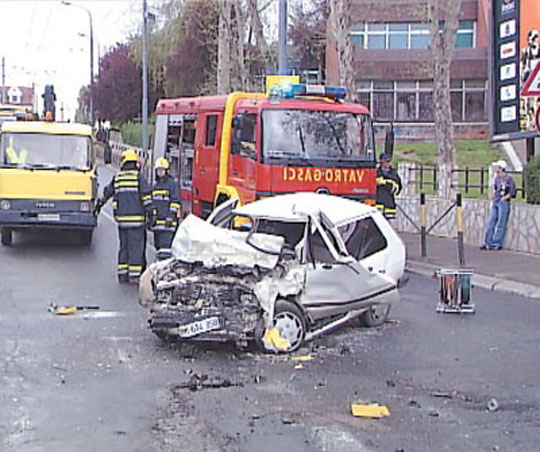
(48, 217)
(198, 327)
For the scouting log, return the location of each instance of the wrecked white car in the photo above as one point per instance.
(279, 271)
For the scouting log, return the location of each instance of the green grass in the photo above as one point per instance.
(132, 133)
(474, 154)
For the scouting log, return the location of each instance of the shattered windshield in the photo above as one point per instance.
(316, 135)
(42, 150)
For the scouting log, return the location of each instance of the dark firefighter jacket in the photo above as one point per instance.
(388, 186)
(131, 197)
(165, 204)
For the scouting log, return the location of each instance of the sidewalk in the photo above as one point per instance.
(507, 271)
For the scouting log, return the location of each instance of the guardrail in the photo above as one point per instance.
(116, 150)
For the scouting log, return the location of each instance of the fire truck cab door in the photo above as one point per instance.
(205, 169)
(243, 157)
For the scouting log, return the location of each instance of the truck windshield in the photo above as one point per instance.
(316, 135)
(41, 150)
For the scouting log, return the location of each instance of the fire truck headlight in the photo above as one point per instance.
(85, 206)
(5, 204)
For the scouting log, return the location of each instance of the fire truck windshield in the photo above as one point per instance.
(313, 135)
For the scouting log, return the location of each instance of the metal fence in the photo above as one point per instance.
(469, 179)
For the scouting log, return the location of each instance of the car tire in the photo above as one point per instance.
(85, 237)
(291, 324)
(7, 236)
(375, 315)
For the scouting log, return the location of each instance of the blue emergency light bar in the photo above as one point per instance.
(290, 90)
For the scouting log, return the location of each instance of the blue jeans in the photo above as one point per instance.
(496, 227)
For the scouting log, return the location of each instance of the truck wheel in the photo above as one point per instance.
(376, 315)
(7, 236)
(86, 237)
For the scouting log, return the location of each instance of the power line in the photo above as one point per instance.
(46, 25)
(29, 34)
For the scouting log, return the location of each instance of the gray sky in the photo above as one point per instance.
(44, 41)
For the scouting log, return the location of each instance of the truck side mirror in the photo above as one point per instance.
(389, 141)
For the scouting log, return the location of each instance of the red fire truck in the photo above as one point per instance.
(251, 146)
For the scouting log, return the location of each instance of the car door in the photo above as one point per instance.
(337, 284)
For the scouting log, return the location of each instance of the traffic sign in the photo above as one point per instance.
(532, 84)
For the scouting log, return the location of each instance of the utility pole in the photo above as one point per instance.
(282, 59)
(144, 86)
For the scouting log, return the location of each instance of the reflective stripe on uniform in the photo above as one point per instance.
(122, 269)
(130, 217)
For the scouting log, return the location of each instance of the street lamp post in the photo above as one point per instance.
(66, 3)
(144, 106)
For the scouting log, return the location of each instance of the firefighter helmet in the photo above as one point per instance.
(129, 156)
(162, 162)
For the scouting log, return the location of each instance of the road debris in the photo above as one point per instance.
(442, 395)
(373, 410)
(298, 366)
(68, 310)
(302, 358)
(492, 404)
(197, 382)
(274, 341)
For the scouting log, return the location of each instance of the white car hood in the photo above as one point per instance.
(198, 241)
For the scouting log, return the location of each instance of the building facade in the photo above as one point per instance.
(393, 65)
(18, 95)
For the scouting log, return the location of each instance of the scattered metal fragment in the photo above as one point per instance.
(492, 404)
(444, 395)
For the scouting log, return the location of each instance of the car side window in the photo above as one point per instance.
(319, 250)
(363, 238)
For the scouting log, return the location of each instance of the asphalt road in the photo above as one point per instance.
(100, 381)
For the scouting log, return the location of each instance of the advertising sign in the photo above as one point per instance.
(515, 71)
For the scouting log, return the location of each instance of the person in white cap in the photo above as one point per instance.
(504, 189)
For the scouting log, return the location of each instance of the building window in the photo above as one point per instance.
(465, 35)
(405, 35)
(412, 101)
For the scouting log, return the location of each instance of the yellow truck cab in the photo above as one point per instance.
(47, 178)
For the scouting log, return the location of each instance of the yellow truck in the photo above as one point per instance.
(48, 178)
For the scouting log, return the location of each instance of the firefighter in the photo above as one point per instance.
(165, 209)
(131, 200)
(388, 186)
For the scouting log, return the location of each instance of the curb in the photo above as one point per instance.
(479, 280)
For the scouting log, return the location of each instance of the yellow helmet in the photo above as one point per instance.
(162, 162)
(129, 156)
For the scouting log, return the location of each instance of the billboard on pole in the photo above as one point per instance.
(515, 55)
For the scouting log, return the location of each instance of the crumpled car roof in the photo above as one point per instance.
(199, 241)
(297, 207)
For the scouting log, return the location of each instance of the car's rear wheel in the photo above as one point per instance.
(291, 324)
(7, 236)
(376, 315)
